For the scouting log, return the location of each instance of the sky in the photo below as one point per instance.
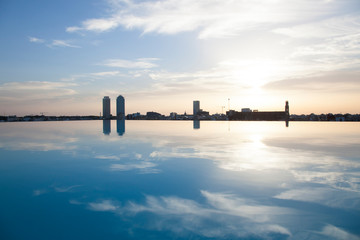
(63, 57)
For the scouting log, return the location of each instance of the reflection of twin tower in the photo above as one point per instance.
(120, 107)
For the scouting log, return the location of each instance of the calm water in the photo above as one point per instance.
(179, 180)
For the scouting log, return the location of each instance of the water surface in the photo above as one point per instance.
(179, 180)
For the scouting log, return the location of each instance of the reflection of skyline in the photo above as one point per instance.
(196, 124)
(106, 126)
(120, 126)
(289, 171)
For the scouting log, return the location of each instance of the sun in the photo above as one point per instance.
(255, 73)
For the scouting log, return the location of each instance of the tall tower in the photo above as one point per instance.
(120, 107)
(196, 107)
(106, 107)
(287, 109)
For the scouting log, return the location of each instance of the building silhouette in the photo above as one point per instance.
(248, 115)
(154, 116)
(287, 109)
(120, 107)
(106, 108)
(196, 107)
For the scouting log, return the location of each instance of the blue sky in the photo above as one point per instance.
(62, 57)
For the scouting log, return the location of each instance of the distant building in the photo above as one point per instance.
(154, 116)
(247, 115)
(106, 107)
(173, 115)
(196, 107)
(246, 110)
(287, 109)
(136, 116)
(120, 107)
(203, 113)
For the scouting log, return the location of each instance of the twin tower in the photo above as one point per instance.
(120, 107)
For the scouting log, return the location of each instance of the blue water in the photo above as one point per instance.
(179, 180)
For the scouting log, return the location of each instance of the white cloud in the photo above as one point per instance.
(36, 90)
(333, 27)
(36, 40)
(232, 205)
(54, 43)
(39, 192)
(66, 189)
(97, 25)
(62, 43)
(333, 232)
(330, 50)
(213, 18)
(103, 206)
(41, 141)
(107, 157)
(230, 215)
(324, 196)
(138, 156)
(35, 146)
(139, 63)
(233, 216)
(142, 166)
(106, 74)
(34, 85)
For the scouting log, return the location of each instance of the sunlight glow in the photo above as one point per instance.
(253, 73)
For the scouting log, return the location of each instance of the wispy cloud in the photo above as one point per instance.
(54, 43)
(106, 74)
(333, 232)
(212, 18)
(36, 40)
(62, 43)
(141, 166)
(108, 157)
(103, 206)
(333, 27)
(325, 196)
(39, 192)
(322, 82)
(66, 189)
(232, 216)
(36, 90)
(138, 63)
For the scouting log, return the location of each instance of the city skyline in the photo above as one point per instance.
(61, 57)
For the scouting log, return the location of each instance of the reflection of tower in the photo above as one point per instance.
(106, 127)
(106, 107)
(120, 107)
(196, 124)
(196, 107)
(120, 126)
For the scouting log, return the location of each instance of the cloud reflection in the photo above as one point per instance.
(221, 215)
(103, 206)
(142, 166)
(332, 232)
(325, 196)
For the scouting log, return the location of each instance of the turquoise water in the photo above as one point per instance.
(179, 180)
